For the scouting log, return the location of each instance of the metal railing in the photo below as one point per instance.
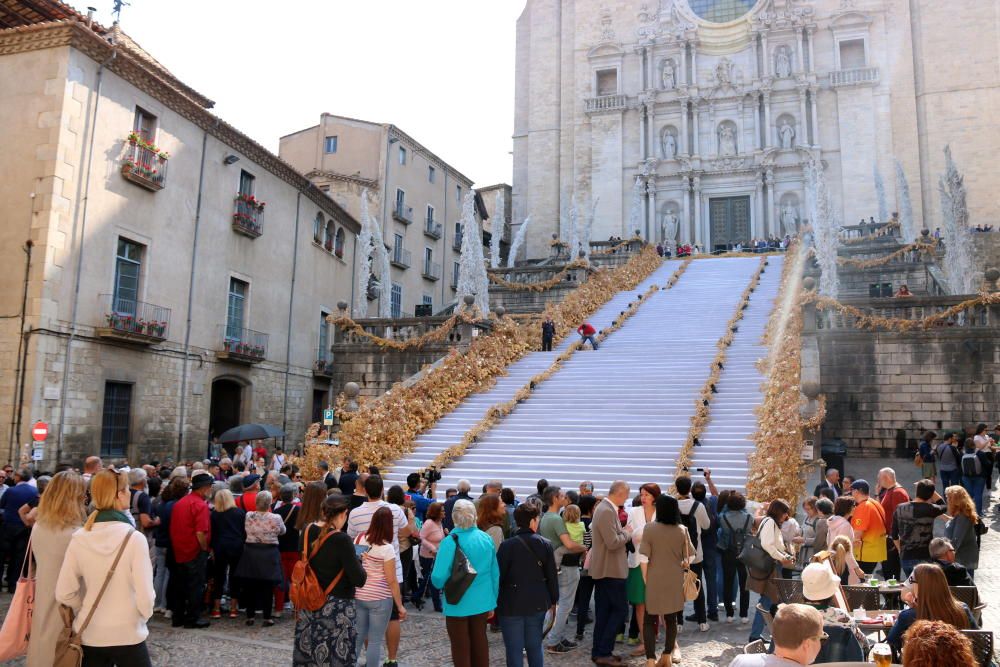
(249, 217)
(137, 318)
(433, 229)
(323, 362)
(854, 77)
(403, 213)
(606, 103)
(243, 343)
(400, 257)
(145, 167)
(432, 271)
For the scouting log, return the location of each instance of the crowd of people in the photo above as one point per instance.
(200, 541)
(756, 245)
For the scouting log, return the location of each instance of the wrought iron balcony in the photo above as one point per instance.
(854, 77)
(400, 258)
(144, 166)
(404, 214)
(432, 271)
(433, 229)
(242, 345)
(249, 216)
(133, 321)
(323, 364)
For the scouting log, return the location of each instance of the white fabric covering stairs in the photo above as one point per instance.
(624, 411)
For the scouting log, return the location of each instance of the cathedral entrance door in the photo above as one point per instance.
(730, 222)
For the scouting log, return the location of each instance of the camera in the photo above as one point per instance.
(432, 475)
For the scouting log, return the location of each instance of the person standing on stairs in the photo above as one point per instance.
(587, 332)
(548, 333)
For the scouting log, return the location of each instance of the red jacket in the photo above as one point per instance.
(586, 330)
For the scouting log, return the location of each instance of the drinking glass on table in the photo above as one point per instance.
(881, 655)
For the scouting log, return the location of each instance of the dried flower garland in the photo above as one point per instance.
(920, 246)
(384, 430)
(879, 233)
(700, 418)
(542, 286)
(435, 335)
(863, 320)
(818, 418)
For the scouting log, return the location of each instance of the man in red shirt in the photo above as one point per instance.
(890, 495)
(587, 331)
(190, 536)
(259, 451)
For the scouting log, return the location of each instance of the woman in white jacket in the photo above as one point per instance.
(116, 633)
(772, 541)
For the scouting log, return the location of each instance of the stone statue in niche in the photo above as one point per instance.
(789, 218)
(669, 226)
(724, 72)
(727, 140)
(668, 145)
(786, 133)
(783, 63)
(669, 76)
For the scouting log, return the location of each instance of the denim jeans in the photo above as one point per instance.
(584, 593)
(908, 565)
(523, 634)
(569, 577)
(426, 564)
(950, 478)
(161, 576)
(610, 612)
(372, 620)
(584, 339)
(758, 621)
(711, 565)
(975, 486)
(734, 578)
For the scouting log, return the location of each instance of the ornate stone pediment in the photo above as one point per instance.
(729, 163)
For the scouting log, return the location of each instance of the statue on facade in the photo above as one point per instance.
(783, 63)
(727, 140)
(668, 145)
(724, 72)
(669, 76)
(786, 133)
(671, 224)
(789, 218)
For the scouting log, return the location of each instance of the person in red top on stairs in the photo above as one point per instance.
(587, 331)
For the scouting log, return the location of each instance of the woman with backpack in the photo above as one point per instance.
(773, 543)
(735, 525)
(974, 464)
(326, 637)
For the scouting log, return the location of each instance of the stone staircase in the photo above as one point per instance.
(623, 412)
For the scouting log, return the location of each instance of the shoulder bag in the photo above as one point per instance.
(69, 644)
(16, 628)
(461, 577)
(692, 582)
(754, 557)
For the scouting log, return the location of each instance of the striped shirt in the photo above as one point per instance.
(361, 517)
(376, 587)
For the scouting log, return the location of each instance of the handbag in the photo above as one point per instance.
(918, 460)
(461, 577)
(17, 624)
(69, 644)
(754, 557)
(692, 582)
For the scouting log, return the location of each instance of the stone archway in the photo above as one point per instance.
(226, 406)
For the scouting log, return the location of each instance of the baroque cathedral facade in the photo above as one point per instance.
(692, 121)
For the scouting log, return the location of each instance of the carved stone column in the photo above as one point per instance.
(653, 228)
(696, 139)
(800, 131)
(758, 201)
(769, 182)
(742, 142)
(801, 64)
(810, 34)
(683, 66)
(653, 82)
(685, 145)
(767, 55)
(698, 235)
(685, 232)
(694, 63)
(813, 92)
(643, 129)
(768, 128)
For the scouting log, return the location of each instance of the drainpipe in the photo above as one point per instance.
(190, 299)
(445, 270)
(15, 417)
(67, 356)
(291, 302)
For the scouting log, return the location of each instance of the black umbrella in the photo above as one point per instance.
(250, 432)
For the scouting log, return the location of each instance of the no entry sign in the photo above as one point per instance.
(39, 431)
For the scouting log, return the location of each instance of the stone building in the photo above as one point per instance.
(416, 196)
(699, 115)
(489, 197)
(160, 262)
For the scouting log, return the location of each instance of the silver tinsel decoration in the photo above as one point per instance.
(883, 207)
(364, 270)
(635, 211)
(496, 230)
(825, 228)
(588, 229)
(907, 226)
(515, 245)
(472, 278)
(955, 228)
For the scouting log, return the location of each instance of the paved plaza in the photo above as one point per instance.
(425, 643)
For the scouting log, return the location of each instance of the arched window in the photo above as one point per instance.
(338, 244)
(328, 241)
(318, 228)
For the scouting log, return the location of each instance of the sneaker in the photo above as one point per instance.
(569, 644)
(692, 617)
(579, 637)
(619, 638)
(744, 620)
(633, 641)
(268, 623)
(167, 614)
(557, 648)
(730, 619)
(158, 610)
(390, 663)
(703, 627)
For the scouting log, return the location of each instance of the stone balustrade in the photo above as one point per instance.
(606, 103)
(906, 308)
(854, 77)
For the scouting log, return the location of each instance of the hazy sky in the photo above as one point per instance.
(442, 70)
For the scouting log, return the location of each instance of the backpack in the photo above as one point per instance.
(971, 466)
(692, 523)
(736, 539)
(304, 589)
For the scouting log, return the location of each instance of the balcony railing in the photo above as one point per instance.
(432, 271)
(133, 321)
(433, 229)
(854, 77)
(606, 103)
(242, 345)
(323, 364)
(400, 258)
(404, 214)
(249, 216)
(456, 243)
(144, 166)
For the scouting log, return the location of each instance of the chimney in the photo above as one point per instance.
(90, 16)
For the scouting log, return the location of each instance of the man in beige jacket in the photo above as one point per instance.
(609, 568)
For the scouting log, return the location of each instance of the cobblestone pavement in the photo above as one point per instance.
(425, 642)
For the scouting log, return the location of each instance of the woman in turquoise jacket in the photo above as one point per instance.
(466, 621)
